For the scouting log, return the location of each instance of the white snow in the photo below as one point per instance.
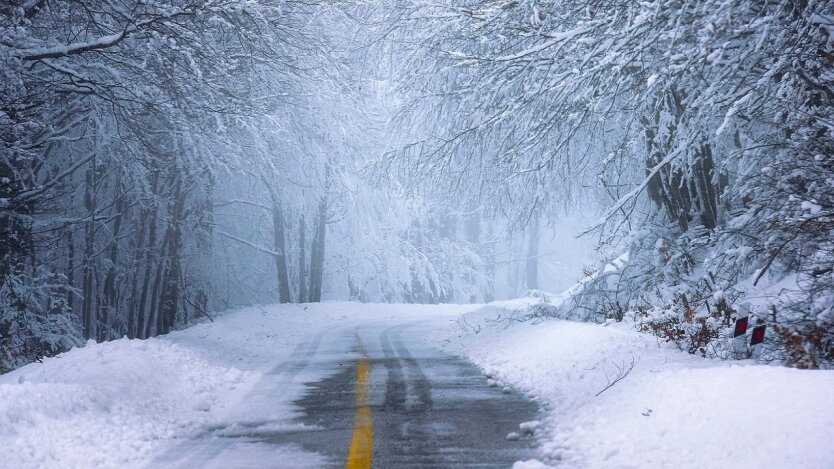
(102, 403)
(811, 207)
(672, 410)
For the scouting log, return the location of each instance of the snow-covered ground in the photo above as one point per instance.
(671, 410)
(123, 403)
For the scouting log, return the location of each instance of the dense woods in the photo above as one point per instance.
(160, 160)
(117, 121)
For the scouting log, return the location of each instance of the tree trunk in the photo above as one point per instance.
(707, 186)
(533, 256)
(70, 240)
(280, 257)
(111, 291)
(167, 296)
(88, 312)
(151, 325)
(302, 261)
(316, 263)
(317, 253)
(133, 306)
(148, 218)
(472, 227)
(489, 294)
(172, 276)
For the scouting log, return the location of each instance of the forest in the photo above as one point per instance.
(164, 160)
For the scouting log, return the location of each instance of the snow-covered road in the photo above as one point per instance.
(427, 408)
(294, 386)
(268, 386)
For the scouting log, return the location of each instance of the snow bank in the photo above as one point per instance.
(671, 410)
(106, 404)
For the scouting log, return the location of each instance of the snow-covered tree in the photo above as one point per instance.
(707, 125)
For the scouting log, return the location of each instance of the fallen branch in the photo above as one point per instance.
(197, 308)
(623, 370)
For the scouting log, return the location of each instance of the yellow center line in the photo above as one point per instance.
(362, 441)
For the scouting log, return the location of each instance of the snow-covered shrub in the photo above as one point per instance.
(796, 229)
(33, 320)
(598, 296)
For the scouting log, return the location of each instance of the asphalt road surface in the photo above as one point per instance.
(391, 400)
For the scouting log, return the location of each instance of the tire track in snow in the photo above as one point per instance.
(201, 449)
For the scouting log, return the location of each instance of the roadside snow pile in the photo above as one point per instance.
(618, 398)
(117, 403)
(106, 404)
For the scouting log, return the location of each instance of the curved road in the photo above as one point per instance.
(390, 400)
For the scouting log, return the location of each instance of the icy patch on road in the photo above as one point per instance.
(670, 410)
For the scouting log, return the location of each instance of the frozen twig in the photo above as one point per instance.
(623, 370)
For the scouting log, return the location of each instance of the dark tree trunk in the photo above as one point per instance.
(667, 188)
(172, 277)
(317, 253)
(132, 325)
(681, 193)
(706, 186)
(317, 247)
(111, 291)
(149, 218)
(70, 268)
(164, 278)
(88, 312)
(151, 324)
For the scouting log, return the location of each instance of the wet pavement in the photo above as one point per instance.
(428, 409)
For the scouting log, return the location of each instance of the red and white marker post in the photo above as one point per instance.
(757, 339)
(739, 342)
